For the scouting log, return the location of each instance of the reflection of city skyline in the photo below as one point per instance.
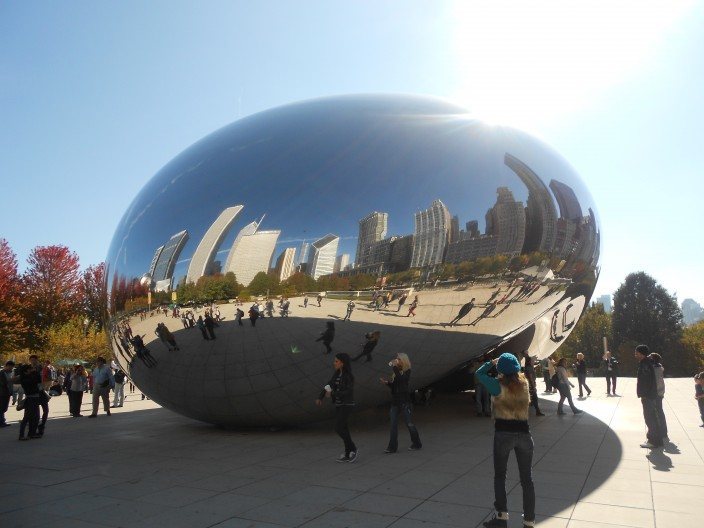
(512, 228)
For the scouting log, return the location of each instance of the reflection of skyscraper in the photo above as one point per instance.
(322, 259)
(541, 214)
(507, 222)
(252, 254)
(285, 264)
(155, 259)
(249, 229)
(566, 200)
(401, 253)
(303, 255)
(341, 262)
(202, 260)
(454, 229)
(432, 228)
(164, 267)
(372, 228)
(472, 229)
(605, 301)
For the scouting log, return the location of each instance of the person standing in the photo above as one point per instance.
(253, 314)
(210, 324)
(564, 386)
(119, 399)
(466, 308)
(482, 398)
(529, 372)
(319, 298)
(6, 376)
(510, 400)
(372, 339)
(239, 314)
(545, 367)
(660, 384)
(30, 378)
(401, 301)
(646, 389)
(305, 302)
(103, 381)
(412, 307)
(79, 382)
(581, 367)
(340, 389)
(699, 394)
(611, 365)
(327, 336)
(401, 402)
(201, 326)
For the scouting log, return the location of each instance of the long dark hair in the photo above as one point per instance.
(346, 363)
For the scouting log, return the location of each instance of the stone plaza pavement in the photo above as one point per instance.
(146, 466)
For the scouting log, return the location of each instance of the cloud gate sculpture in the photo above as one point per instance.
(441, 236)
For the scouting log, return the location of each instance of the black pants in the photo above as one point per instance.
(44, 404)
(610, 380)
(342, 414)
(31, 416)
(661, 416)
(533, 391)
(4, 405)
(652, 421)
(75, 399)
(582, 380)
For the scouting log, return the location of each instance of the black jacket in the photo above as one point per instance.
(614, 365)
(342, 384)
(646, 386)
(581, 367)
(399, 386)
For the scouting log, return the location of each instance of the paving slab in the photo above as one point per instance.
(145, 466)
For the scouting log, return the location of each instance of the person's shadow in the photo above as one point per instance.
(659, 460)
(671, 448)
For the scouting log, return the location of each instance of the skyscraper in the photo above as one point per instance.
(285, 264)
(202, 260)
(303, 254)
(155, 259)
(249, 229)
(454, 229)
(566, 200)
(605, 301)
(253, 254)
(341, 262)
(372, 228)
(323, 253)
(541, 215)
(432, 229)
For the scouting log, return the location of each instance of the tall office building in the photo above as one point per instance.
(566, 200)
(372, 228)
(166, 261)
(303, 254)
(432, 229)
(454, 229)
(253, 254)
(472, 229)
(341, 262)
(202, 260)
(323, 253)
(285, 264)
(605, 301)
(507, 222)
(541, 215)
(155, 259)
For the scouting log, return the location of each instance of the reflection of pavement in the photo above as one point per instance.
(148, 467)
(267, 373)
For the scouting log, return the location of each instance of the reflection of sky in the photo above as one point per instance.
(318, 168)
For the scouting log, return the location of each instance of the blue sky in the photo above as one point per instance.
(96, 97)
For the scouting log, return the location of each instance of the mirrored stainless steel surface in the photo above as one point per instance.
(474, 234)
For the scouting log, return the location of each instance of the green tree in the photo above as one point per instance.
(587, 336)
(263, 283)
(692, 360)
(644, 312)
(299, 283)
(362, 281)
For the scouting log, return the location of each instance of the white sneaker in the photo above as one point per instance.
(353, 456)
(648, 445)
(342, 458)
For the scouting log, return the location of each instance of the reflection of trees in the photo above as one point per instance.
(208, 288)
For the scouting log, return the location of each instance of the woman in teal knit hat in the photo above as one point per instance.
(510, 401)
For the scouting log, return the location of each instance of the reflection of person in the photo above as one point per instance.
(660, 385)
(340, 389)
(611, 365)
(210, 325)
(239, 314)
(372, 340)
(510, 399)
(581, 367)
(412, 307)
(463, 311)
(401, 301)
(201, 326)
(350, 308)
(319, 298)
(647, 391)
(547, 376)
(166, 337)
(327, 336)
(400, 402)
(253, 314)
(30, 379)
(119, 399)
(305, 302)
(487, 310)
(482, 398)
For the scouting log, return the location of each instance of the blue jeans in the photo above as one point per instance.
(403, 409)
(522, 444)
(482, 399)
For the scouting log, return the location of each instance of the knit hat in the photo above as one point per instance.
(508, 364)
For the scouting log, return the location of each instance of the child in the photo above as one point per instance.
(699, 393)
